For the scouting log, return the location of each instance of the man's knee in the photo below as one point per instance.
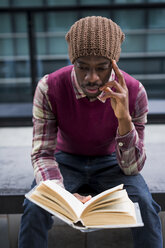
(144, 199)
(37, 214)
(30, 208)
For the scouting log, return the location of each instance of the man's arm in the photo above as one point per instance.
(44, 137)
(130, 136)
(130, 147)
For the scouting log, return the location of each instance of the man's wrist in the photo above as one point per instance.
(125, 125)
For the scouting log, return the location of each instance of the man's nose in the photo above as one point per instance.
(92, 76)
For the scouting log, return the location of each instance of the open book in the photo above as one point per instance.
(109, 209)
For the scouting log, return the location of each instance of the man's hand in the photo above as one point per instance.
(117, 92)
(83, 199)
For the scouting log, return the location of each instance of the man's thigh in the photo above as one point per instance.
(135, 185)
(100, 173)
(70, 168)
(78, 171)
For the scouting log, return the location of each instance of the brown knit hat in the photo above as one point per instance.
(94, 35)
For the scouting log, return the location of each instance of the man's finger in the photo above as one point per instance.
(111, 94)
(111, 84)
(119, 75)
(82, 198)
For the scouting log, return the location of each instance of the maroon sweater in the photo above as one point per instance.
(84, 127)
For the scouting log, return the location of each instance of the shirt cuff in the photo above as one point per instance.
(126, 141)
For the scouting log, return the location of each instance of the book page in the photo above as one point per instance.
(123, 207)
(122, 213)
(139, 223)
(55, 199)
(75, 204)
(53, 206)
(98, 197)
(104, 219)
(116, 197)
(53, 212)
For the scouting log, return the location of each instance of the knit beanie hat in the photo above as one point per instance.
(94, 35)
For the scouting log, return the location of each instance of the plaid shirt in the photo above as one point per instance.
(129, 148)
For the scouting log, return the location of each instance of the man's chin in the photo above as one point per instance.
(92, 96)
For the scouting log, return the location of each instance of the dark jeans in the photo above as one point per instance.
(99, 173)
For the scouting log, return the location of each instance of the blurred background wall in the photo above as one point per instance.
(32, 44)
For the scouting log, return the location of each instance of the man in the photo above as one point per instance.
(91, 116)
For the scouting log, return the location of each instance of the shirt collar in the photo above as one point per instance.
(77, 89)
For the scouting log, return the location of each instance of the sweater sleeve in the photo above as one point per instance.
(44, 136)
(130, 148)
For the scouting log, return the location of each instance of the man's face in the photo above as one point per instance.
(92, 72)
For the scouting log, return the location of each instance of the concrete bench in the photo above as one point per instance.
(16, 177)
(17, 174)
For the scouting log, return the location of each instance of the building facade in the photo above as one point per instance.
(32, 44)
